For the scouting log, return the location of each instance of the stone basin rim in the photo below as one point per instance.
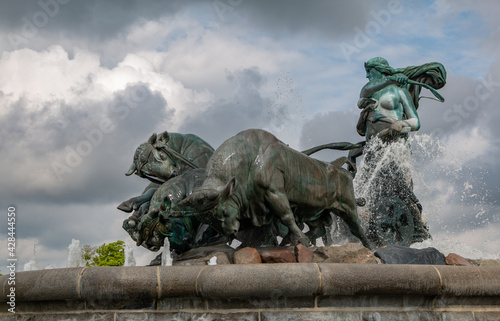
(252, 280)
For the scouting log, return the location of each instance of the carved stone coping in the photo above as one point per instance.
(259, 280)
(325, 289)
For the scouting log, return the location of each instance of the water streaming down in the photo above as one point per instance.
(129, 256)
(74, 254)
(166, 257)
(450, 189)
(32, 265)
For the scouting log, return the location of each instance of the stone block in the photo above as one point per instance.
(186, 303)
(62, 284)
(310, 315)
(417, 315)
(483, 301)
(277, 256)
(123, 304)
(84, 316)
(349, 253)
(276, 302)
(50, 306)
(153, 316)
(178, 281)
(359, 279)
(470, 280)
(119, 283)
(303, 254)
(229, 316)
(487, 316)
(247, 255)
(8, 316)
(371, 301)
(259, 280)
(455, 259)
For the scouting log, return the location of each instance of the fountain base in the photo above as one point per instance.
(290, 291)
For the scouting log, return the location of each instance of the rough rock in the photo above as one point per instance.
(222, 258)
(303, 254)
(396, 254)
(278, 256)
(201, 255)
(247, 255)
(455, 259)
(200, 261)
(349, 253)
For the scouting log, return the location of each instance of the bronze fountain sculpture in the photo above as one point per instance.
(255, 188)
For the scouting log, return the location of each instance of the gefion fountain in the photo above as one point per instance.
(279, 205)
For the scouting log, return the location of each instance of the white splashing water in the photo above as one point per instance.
(31, 265)
(166, 257)
(365, 182)
(451, 190)
(74, 254)
(286, 115)
(129, 256)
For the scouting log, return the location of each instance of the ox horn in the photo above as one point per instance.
(152, 139)
(131, 170)
(164, 137)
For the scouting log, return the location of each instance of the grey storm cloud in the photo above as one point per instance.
(102, 20)
(329, 18)
(92, 159)
(95, 19)
(227, 117)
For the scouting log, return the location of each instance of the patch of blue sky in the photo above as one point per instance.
(460, 48)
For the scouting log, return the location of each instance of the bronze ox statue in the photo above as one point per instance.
(254, 178)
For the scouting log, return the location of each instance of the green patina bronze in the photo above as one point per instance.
(253, 178)
(167, 155)
(161, 158)
(389, 103)
(256, 188)
(165, 219)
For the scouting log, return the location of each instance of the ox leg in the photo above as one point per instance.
(317, 227)
(352, 222)
(278, 202)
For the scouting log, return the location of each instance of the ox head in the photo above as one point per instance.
(151, 159)
(224, 206)
(149, 231)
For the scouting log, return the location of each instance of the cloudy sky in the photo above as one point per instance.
(83, 83)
